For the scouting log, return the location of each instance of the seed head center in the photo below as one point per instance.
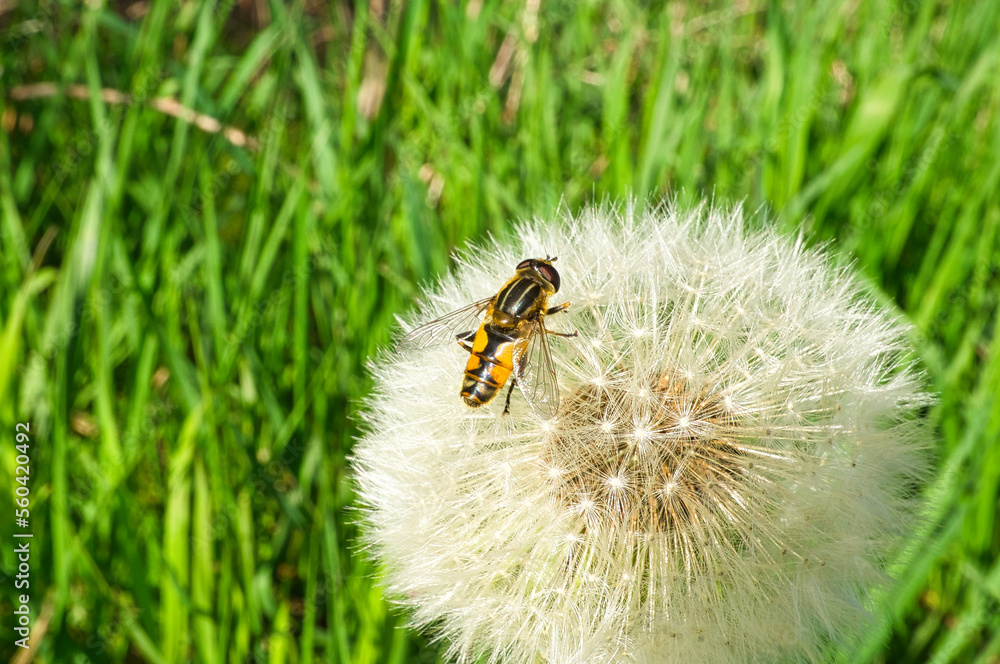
(688, 468)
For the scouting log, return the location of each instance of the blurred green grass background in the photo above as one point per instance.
(211, 213)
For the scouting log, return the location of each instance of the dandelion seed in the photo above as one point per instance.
(730, 466)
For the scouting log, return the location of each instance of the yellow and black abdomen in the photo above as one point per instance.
(490, 365)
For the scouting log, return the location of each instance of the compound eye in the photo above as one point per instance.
(525, 263)
(550, 274)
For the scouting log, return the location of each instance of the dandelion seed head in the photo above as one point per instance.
(730, 466)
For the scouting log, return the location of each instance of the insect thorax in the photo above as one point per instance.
(519, 299)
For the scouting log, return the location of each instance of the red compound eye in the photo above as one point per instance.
(548, 273)
(544, 269)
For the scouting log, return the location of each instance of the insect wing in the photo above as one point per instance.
(537, 374)
(443, 330)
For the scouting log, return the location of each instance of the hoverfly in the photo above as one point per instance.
(510, 339)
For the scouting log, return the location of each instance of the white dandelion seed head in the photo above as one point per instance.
(730, 467)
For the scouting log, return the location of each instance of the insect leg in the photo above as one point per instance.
(465, 340)
(506, 406)
(556, 309)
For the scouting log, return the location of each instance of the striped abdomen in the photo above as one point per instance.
(490, 364)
